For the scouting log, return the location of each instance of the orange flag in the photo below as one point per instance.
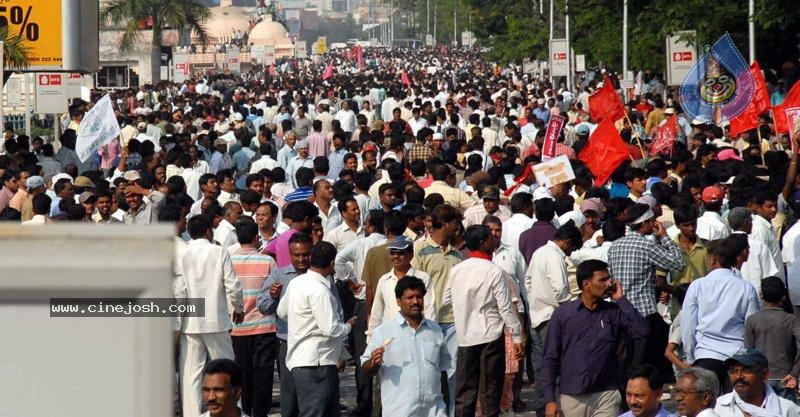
(779, 112)
(605, 103)
(749, 117)
(605, 151)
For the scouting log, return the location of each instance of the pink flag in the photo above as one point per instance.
(551, 137)
(328, 73)
(404, 78)
(272, 71)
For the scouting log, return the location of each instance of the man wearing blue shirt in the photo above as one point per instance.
(410, 353)
(715, 309)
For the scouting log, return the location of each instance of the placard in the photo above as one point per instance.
(793, 119)
(554, 127)
(553, 172)
(234, 63)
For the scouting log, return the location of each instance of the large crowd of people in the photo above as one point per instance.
(387, 218)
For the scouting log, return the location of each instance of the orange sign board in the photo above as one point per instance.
(38, 24)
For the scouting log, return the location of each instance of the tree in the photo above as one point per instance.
(15, 52)
(162, 14)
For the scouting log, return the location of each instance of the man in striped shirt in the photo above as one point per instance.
(254, 340)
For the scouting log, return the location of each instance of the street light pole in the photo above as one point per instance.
(624, 39)
(569, 50)
(751, 29)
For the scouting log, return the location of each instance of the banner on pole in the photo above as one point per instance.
(98, 127)
(551, 137)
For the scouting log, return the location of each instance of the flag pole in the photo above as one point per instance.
(635, 134)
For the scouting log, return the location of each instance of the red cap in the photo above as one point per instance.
(712, 194)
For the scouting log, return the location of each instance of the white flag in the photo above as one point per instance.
(98, 127)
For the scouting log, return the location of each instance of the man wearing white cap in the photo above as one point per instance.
(633, 260)
(220, 159)
(301, 160)
(541, 112)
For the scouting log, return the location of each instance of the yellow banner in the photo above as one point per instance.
(38, 23)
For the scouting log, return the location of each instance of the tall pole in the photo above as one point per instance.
(428, 14)
(435, 19)
(455, 20)
(541, 6)
(551, 20)
(27, 104)
(569, 50)
(624, 39)
(391, 24)
(751, 29)
(2, 75)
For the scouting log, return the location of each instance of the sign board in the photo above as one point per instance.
(553, 172)
(233, 59)
(14, 92)
(39, 25)
(301, 50)
(681, 56)
(292, 14)
(580, 63)
(257, 53)
(181, 62)
(467, 38)
(322, 45)
(269, 55)
(558, 58)
(74, 84)
(51, 93)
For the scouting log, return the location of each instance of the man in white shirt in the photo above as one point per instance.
(547, 286)
(207, 274)
(481, 299)
(752, 396)
(416, 122)
(713, 331)
(347, 119)
(225, 232)
(350, 229)
(316, 333)
(520, 221)
(328, 212)
(266, 161)
(765, 209)
(710, 225)
(759, 263)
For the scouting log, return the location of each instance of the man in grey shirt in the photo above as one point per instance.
(776, 333)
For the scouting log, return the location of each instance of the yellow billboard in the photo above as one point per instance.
(322, 45)
(38, 23)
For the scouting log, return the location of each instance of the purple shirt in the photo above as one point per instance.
(280, 248)
(580, 349)
(534, 238)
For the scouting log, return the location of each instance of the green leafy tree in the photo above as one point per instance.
(175, 14)
(15, 52)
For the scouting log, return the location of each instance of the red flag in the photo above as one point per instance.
(404, 78)
(605, 103)
(328, 73)
(665, 136)
(749, 117)
(779, 112)
(605, 152)
(360, 56)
